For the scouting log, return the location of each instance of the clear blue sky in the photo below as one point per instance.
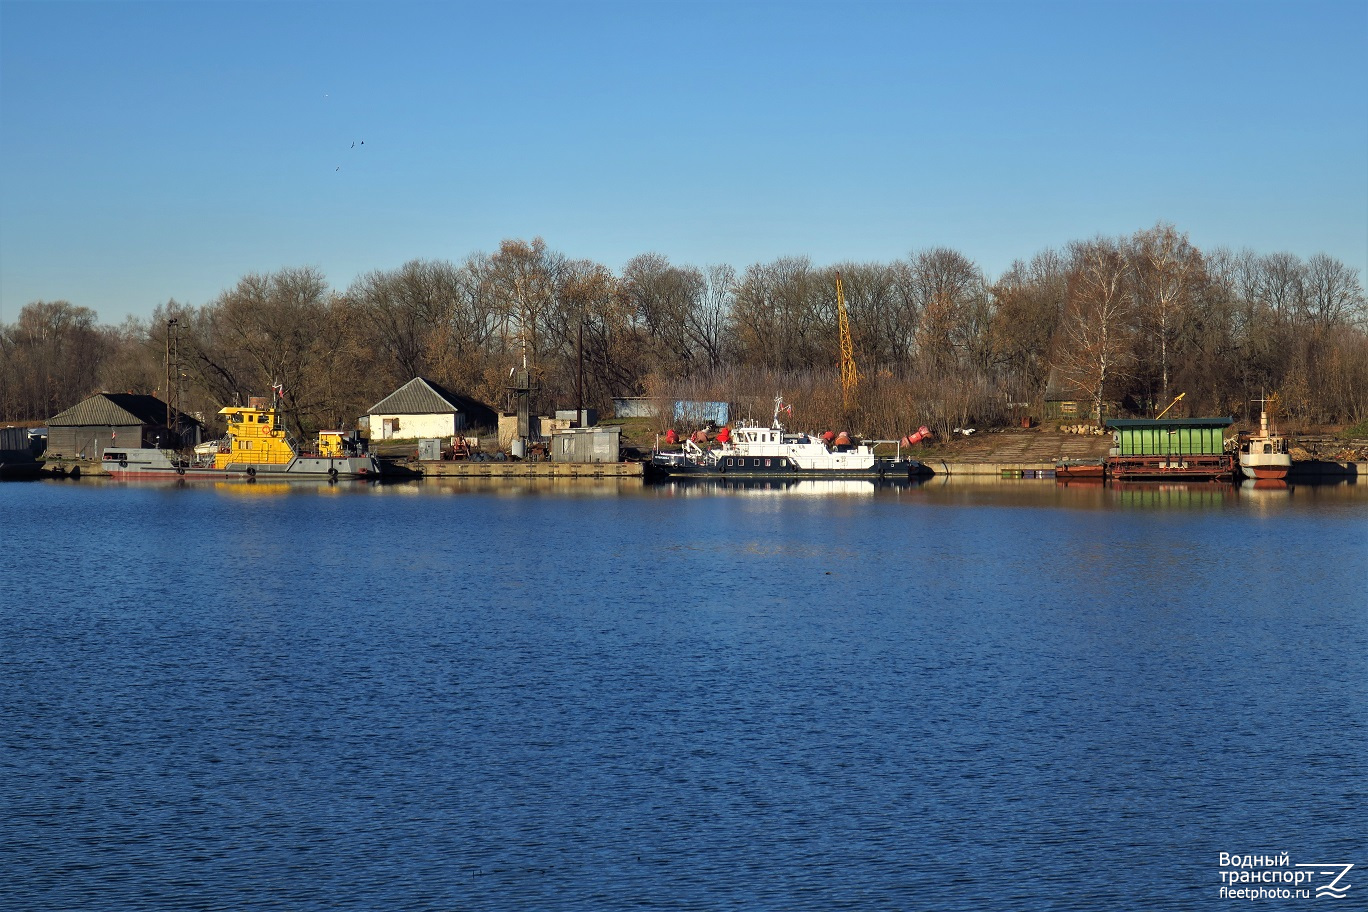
(151, 151)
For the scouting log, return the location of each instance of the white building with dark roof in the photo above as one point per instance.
(422, 408)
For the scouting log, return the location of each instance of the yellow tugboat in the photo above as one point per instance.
(257, 446)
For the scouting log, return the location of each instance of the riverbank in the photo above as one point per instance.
(1006, 451)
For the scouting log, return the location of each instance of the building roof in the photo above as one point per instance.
(113, 409)
(421, 396)
(1127, 423)
(1059, 388)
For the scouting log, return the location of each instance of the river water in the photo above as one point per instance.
(596, 696)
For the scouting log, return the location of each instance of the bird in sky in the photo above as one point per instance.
(354, 145)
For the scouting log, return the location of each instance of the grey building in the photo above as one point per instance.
(106, 420)
(595, 444)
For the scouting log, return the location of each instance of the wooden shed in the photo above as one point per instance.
(104, 420)
(1066, 400)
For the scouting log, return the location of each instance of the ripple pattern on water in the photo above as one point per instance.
(427, 700)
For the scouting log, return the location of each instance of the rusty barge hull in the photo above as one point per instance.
(1163, 468)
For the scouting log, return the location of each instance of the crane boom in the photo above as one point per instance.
(850, 374)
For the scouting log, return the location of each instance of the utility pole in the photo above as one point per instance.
(170, 326)
(579, 377)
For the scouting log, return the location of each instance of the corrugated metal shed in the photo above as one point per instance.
(696, 412)
(636, 407)
(15, 438)
(596, 444)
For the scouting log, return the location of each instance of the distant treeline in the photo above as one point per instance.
(1125, 322)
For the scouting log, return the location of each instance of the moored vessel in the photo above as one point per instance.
(1264, 455)
(256, 446)
(1159, 449)
(751, 451)
(1080, 470)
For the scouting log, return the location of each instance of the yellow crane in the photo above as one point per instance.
(1171, 405)
(850, 374)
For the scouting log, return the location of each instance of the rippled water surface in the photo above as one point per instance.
(1008, 696)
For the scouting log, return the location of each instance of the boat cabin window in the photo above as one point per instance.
(110, 455)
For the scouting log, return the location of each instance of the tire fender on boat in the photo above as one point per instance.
(332, 473)
(251, 471)
(180, 470)
(722, 467)
(123, 463)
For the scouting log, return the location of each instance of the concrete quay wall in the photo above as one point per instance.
(944, 467)
(464, 469)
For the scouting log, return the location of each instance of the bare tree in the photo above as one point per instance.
(273, 329)
(778, 315)
(950, 295)
(1333, 293)
(1095, 344)
(521, 281)
(664, 300)
(53, 357)
(1029, 298)
(1169, 273)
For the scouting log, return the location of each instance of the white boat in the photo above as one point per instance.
(1264, 455)
(751, 451)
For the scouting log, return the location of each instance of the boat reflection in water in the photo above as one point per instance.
(1174, 494)
(788, 487)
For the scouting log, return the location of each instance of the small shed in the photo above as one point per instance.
(1066, 400)
(697, 413)
(693, 412)
(118, 420)
(593, 444)
(636, 407)
(423, 408)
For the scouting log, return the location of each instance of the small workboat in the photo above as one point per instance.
(1264, 455)
(1080, 470)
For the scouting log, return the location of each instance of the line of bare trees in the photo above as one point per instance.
(1130, 320)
